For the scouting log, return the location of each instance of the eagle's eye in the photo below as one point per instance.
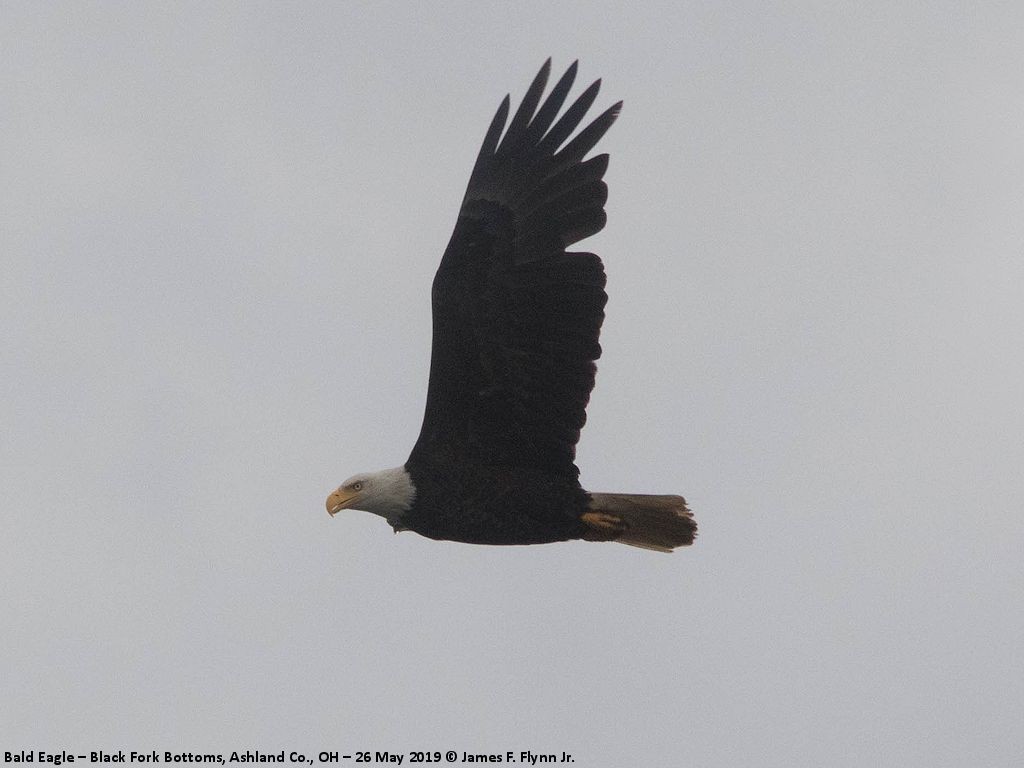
(357, 486)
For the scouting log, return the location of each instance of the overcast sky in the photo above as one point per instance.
(218, 227)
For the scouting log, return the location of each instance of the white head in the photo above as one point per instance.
(387, 493)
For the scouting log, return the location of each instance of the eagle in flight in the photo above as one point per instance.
(516, 320)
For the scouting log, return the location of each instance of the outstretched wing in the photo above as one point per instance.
(516, 317)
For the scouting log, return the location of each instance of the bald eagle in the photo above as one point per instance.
(516, 319)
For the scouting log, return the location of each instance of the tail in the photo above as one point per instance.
(652, 522)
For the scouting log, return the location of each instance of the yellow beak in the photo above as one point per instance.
(340, 500)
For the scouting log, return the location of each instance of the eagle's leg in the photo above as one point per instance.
(601, 526)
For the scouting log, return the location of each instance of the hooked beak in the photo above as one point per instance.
(340, 500)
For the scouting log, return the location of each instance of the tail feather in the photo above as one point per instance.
(660, 523)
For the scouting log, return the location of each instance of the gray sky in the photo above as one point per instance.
(218, 227)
